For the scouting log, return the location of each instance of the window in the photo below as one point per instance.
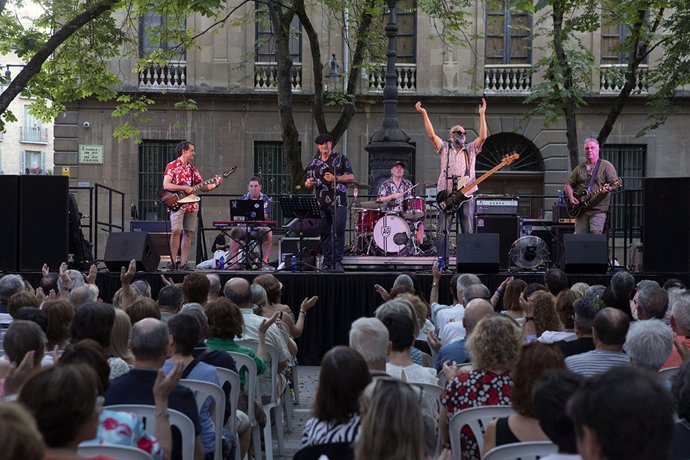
(265, 48)
(160, 32)
(33, 162)
(32, 130)
(153, 158)
(630, 161)
(407, 31)
(508, 34)
(270, 167)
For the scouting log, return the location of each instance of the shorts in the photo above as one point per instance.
(183, 220)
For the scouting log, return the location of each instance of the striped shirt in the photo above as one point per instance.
(324, 432)
(596, 362)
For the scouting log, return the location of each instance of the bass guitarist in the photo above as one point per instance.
(593, 175)
(458, 159)
(181, 176)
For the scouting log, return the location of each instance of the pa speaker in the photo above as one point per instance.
(125, 246)
(586, 254)
(666, 231)
(9, 234)
(507, 229)
(478, 253)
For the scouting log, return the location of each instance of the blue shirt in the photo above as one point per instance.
(454, 351)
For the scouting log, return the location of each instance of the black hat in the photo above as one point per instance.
(322, 139)
(399, 163)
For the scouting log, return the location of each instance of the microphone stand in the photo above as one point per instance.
(334, 224)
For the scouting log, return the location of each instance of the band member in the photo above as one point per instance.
(180, 176)
(321, 172)
(398, 189)
(263, 234)
(592, 219)
(458, 158)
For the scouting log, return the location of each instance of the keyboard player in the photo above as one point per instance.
(263, 234)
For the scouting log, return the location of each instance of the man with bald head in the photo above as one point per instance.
(476, 309)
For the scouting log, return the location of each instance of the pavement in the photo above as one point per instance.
(308, 377)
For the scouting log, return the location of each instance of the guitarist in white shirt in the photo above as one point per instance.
(592, 215)
(181, 176)
(458, 158)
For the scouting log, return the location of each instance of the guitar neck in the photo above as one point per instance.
(204, 183)
(485, 176)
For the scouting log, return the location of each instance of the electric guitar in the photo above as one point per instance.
(175, 200)
(590, 200)
(450, 202)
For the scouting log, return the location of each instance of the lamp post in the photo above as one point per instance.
(390, 143)
(8, 74)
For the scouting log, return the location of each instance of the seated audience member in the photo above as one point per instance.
(9, 285)
(674, 283)
(652, 303)
(19, 436)
(585, 311)
(649, 343)
(533, 361)
(623, 413)
(493, 348)
(619, 292)
(403, 284)
(456, 312)
(21, 299)
(195, 288)
(343, 377)
(680, 392)
(433, 295)
(580, 288)
(150, 345)
(273, 289)
(64, 403)
(48, 281)
(82, 294)
(142, 287)
(608, 332)
(644, 284)
(566, 313)
(119, 338)
(60, 314)
(22, 337)
(392, 423)
(511, 299)
(680, 323)
(424, 325)
(454, 330)
(544, 313)
(369, 337)
(402, 306)
(123, 428)
(34, 315)
(267, 310)
(143, 307)
(169, 301)
(214, 286)
(551, 394)
(69, 280)
(555, 281)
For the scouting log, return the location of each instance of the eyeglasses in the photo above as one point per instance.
(462, 133)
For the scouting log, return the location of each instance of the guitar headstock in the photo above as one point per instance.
(508, 159)
(227, 173)
(616, 183)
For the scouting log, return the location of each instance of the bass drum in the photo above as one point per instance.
(392, 235)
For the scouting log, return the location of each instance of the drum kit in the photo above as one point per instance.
(387, 228)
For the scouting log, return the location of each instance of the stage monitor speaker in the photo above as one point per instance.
(666, 231)
(43, 221)
(310, 249)
(506, 226)
(159, 233)
(586, 254)
(478, 253)
(125, 246)
(9, 235)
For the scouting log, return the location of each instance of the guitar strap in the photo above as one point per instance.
(594, 176)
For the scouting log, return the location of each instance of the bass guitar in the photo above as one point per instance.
(450, 202)
(175, 200)
(590, 200)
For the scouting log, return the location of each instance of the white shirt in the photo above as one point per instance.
(453, 314)
(273, 337)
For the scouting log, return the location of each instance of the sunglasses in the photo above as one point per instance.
(462, 133)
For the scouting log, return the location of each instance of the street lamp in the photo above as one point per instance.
(8, 74)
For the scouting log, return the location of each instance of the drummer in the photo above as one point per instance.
(395, 191)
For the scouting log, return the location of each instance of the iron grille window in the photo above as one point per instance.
(153, 158)
(271, 168)
(507, 34)
(265, 47)
(630, 161)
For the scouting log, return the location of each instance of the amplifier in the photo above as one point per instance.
(496, 205)
(159, 233)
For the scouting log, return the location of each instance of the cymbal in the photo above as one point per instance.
(358, 185)
(370, 204)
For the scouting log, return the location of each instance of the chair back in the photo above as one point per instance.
(202, 391)
(531, 450)
(273, 356)
(114, 451)
(332, 451)
(477, 418)
(669, 373)
(251, 385)
(232, 378)
(432, 395)
(177, 419)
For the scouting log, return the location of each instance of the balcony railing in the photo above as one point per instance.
(405, 76)
(34, 134)
(508, 78)
(167, 77)
(266, 76)
(612, 79)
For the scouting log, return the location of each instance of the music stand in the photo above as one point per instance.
(300, 207)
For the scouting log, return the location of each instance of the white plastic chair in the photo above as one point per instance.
(669, 373)
(477, 418)
(433, 392)
(531, 450)
(202, 390)
(244, 361)
(114, 451)
(232, 378)
(177, 419)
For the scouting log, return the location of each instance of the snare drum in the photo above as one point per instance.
(413, 208)
(366, 219)
(391, 234)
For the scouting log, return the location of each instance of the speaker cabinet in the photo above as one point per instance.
(159, 233)
(310, 249)
(478, 253)
(43, 221)
(666, 231)
(506, 226)
(125, 246)
(586, 254)
(9, 231)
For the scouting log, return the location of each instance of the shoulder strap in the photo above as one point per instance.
(594, 176)
(190, 367)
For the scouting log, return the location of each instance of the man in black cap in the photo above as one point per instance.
(395, 191)
(329, 167)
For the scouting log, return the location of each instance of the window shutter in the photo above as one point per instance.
(43, 161)
(23, 162)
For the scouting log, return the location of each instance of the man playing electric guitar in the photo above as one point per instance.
(181, 176)
(594, 174)
(458, 158)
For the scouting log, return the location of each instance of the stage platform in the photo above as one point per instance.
(344, 297)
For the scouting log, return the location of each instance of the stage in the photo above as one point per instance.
(344, 297)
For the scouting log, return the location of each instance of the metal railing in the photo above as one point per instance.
(508, 78)
(36, 134)
(266, 76)
(405, 76)
(169, 77)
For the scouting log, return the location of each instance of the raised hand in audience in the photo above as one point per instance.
(263, 328)
(18, 374)
(91, 277)
(45, 270)
(382, 291)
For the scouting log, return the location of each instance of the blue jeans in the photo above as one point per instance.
(326, 235)
(466, 219)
